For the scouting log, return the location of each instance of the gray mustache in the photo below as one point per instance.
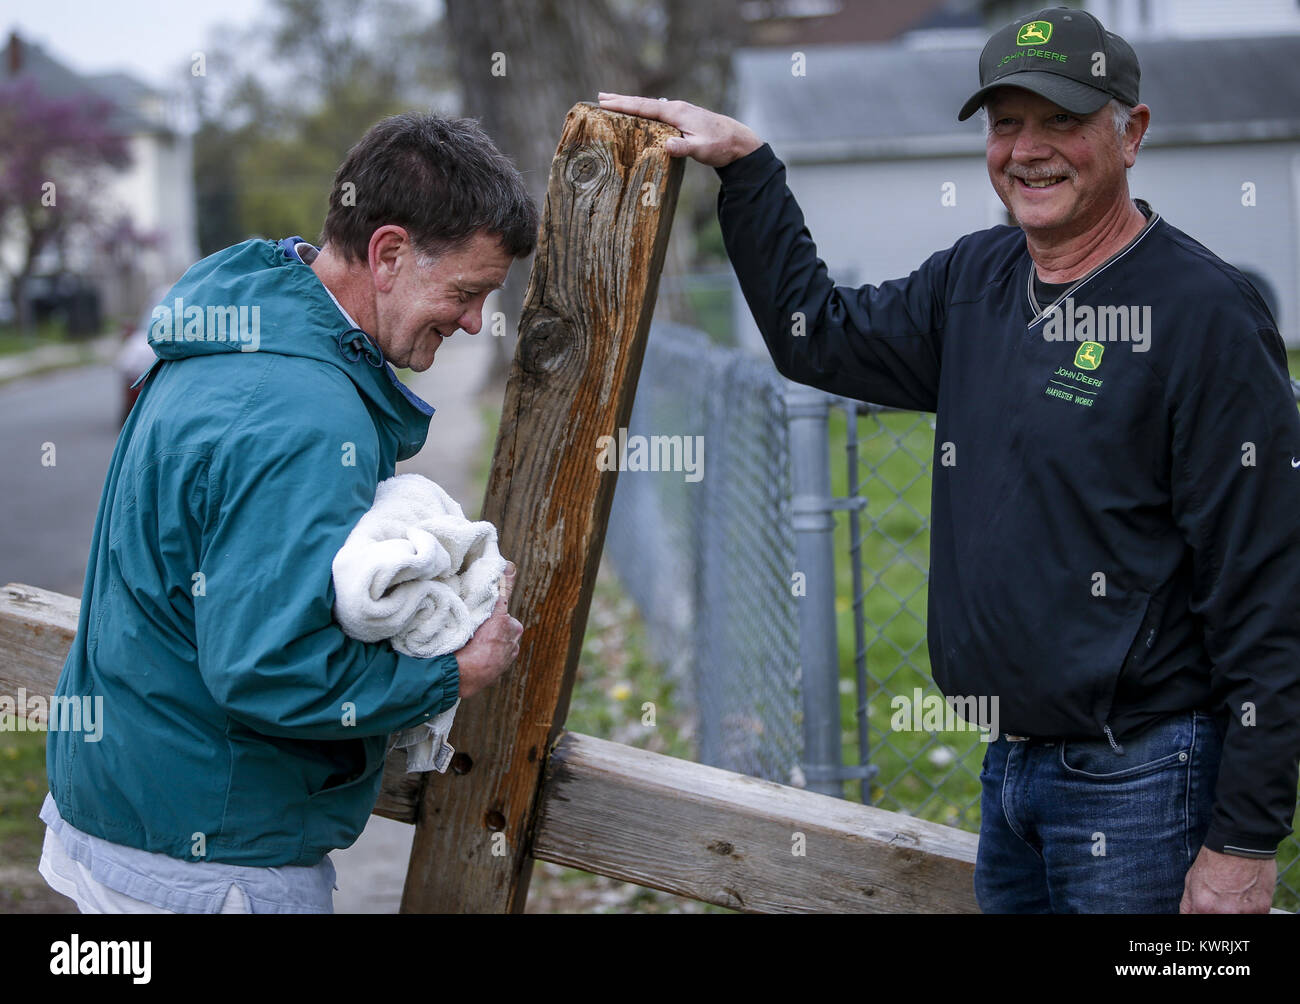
(1041, 175)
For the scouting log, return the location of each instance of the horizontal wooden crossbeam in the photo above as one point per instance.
(642, 817)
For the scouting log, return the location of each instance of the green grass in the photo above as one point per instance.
(47, 333)
(712, 308)
(1288, 855)
(1288, 870)
(932, 776)
(490, 417)
(23, 786)
(895, 546)
(619, 690)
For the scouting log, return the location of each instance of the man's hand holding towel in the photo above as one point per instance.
(495, 644)
(416, 572)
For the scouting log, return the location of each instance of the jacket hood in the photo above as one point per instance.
(259, 296)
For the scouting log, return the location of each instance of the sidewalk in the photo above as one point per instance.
(371, 872)
(101, 349)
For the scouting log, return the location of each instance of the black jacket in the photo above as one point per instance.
(1114, 536)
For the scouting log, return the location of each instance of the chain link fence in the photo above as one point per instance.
(786, 589)
(708, 562)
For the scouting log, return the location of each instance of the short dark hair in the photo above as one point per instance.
(442, 179)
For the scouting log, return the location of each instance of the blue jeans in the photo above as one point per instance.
(1074, 827)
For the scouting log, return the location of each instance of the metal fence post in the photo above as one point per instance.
(812, 509)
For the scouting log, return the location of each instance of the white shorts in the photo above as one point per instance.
(72, 879)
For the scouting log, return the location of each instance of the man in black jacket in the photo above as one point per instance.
(1115, 545)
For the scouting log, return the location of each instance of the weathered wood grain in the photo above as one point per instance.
(725, 838)
(604, 231)
(36, 631)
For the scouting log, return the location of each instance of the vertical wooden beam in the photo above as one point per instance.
(604, 232)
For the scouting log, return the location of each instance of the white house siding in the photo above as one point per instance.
(175, 205)
(881, 220)
(1199, 190)
(1196, 18)
(1143, 20)
(157, 192)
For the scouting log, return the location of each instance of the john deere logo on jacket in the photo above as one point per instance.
(1089, 356)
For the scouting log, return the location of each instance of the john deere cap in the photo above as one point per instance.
(1062, 54)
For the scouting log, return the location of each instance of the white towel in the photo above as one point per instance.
(426, 745)
(415, 571)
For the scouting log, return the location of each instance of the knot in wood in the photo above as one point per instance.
(588, 168)
(545, 346)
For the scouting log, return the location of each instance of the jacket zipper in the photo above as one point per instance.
(1113, 745)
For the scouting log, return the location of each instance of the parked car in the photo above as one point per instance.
(66, 297)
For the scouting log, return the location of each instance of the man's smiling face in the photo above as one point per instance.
(424, 305)
(1057, 173)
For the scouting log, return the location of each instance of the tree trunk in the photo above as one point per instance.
(521, 65)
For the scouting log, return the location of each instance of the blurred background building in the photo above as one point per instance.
(136, 226)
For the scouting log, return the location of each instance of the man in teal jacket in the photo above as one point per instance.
(244, 733)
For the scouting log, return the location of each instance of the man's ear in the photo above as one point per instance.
(388, 250)
(1137, 127)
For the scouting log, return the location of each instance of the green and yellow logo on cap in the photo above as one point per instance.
(1089, 355)
(1034, 33)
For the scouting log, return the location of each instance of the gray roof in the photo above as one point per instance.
(126, 94)
(888, 100)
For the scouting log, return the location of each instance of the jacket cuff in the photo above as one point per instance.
(450, 684)
(747, 166)
(1238, 845)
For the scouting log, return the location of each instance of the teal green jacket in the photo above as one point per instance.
(239, 723)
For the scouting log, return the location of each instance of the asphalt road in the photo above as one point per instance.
(49, 508)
